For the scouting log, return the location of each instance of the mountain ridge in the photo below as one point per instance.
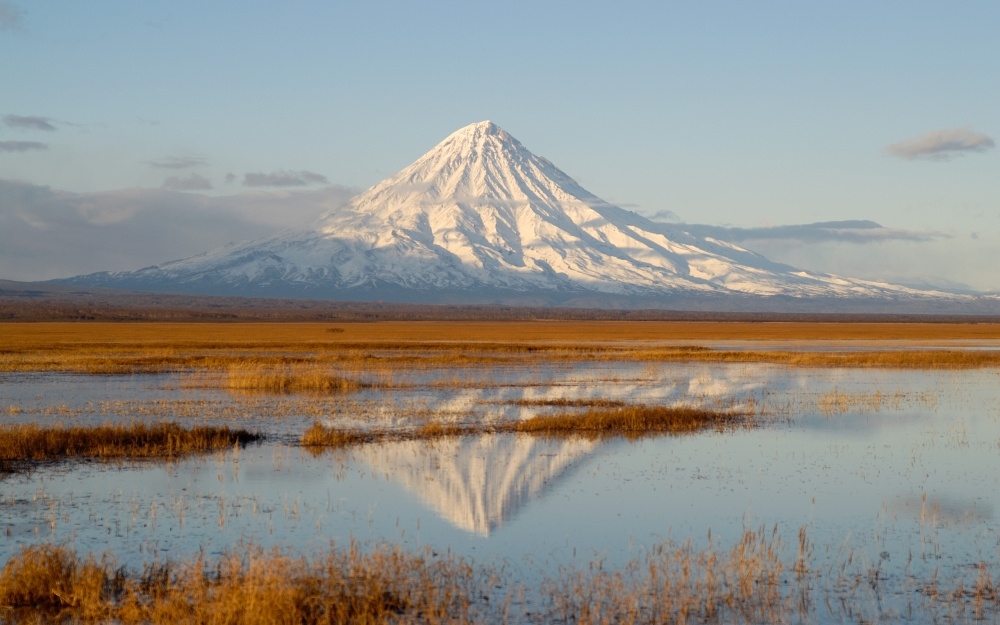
(481, 215)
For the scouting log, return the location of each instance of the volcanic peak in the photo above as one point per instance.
(481, 214)
(477, 163)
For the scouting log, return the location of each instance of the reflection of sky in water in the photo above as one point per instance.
(916, 477)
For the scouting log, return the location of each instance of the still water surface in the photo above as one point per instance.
(894, 470)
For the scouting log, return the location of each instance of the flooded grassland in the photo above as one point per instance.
(520, 472)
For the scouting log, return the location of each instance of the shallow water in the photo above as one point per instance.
(894, 471)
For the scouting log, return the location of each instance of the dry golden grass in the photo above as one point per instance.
(20, 444)
(566, 403)
(839, 402)
(254, 376)
(320, 436)
(632, 421)
(50, 580)
(748, 582)
(262, 335)
(894, 359)
(50, 583)
(115, 348)
(677, 584)
(629, 421)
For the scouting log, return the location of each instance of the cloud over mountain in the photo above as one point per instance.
(851, 231)
(47, 233)
(178, 162)
(283, 179)
(192, 182)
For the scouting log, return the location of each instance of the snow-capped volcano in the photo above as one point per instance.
(480, 213)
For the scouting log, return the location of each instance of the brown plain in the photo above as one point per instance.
(112, 348)
(27, 335)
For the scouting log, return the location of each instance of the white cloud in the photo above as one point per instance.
(283, 179)
(942, 144)
(853, 231)
(46, 233)
(954, 263)
(665, 216)
(178, 162)
(867, 250)
(192, 182)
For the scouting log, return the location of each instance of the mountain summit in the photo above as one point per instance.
(481, 218)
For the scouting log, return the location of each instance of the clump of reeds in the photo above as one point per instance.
(319, 435)
(671, 583)
(32, 443)
(250, 586)
(677, 584)
(250, 376)
(838, 402)
(630, 421)
(49, 580)
(563, 402)
(437, 429)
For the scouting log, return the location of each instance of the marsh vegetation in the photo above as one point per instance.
(25, 445)
(748, 582)
(519, 472)
(310, 356)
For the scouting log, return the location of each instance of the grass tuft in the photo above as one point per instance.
(320, 436)
(50, 579)
(628, 421)
(252, 586)
(251, 376)
(21, 444)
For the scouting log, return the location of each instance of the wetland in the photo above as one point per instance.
(575, 472)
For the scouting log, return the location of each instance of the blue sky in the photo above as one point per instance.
(227, 120)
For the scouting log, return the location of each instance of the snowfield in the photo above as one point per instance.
(480, 211)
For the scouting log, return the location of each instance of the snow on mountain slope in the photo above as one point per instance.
(479, 211)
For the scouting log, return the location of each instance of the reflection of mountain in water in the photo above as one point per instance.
(507, 396)
(478, 483)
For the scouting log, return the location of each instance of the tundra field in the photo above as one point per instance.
(514, 471)
(152, 347)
